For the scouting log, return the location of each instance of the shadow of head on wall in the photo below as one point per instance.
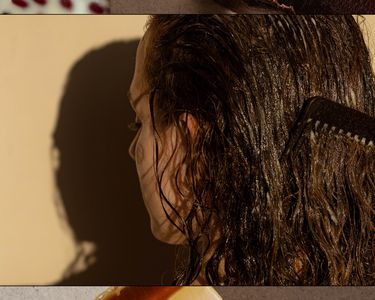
(97, 179)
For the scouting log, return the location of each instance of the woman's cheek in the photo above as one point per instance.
(144, 150)
(139, 148)
(139, 153)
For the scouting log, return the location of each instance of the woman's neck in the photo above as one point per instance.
(201, 278)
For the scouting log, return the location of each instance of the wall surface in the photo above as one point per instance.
(227, 293)
(37, 53)
(54, 7)
(48, 293)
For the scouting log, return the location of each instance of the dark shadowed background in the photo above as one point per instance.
(96, 177)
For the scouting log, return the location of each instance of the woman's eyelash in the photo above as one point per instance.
(134, 126)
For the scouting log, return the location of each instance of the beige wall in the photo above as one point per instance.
(367, 24)
(36, 55)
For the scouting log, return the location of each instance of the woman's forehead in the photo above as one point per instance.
(138, 84)
(144, 42)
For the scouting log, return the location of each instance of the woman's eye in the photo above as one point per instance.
(134, 126)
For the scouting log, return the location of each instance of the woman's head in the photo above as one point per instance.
(221, 94)
(142, 150)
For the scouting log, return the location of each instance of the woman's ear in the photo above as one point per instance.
(190, 123)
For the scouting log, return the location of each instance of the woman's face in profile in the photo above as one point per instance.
(142, 150)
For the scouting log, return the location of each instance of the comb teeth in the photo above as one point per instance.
(332, 129)
(336, 118)
(317, 123)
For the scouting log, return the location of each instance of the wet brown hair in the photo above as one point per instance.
(302, 221)
(306, 6)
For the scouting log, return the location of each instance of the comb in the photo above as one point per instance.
(322, 114)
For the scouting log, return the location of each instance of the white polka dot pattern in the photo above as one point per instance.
(54, 6)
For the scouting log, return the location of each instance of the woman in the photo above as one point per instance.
(215, 98)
